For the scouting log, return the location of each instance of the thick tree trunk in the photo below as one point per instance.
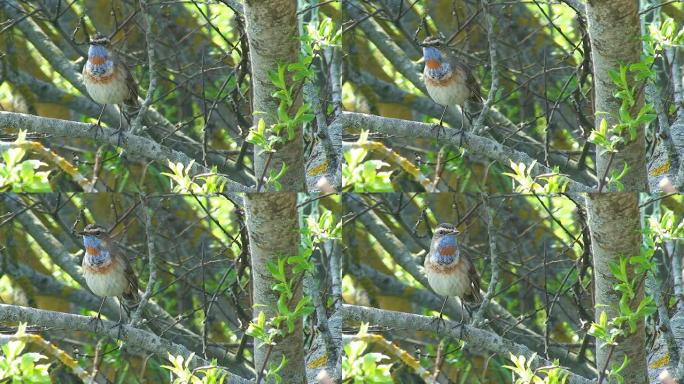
(271, 27)
(613, 219)
(273, 232)
(616, 38)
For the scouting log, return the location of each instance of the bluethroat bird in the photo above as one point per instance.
(108, 81)
(106, 271)
(449, 272)
(447, 79)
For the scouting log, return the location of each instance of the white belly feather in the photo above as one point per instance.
(455, 284)
(113, 91)
(455, 94)
(111, 284)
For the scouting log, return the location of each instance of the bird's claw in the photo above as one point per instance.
(98, 320)
(439, 128)
(461, 326)
(461, 136)
(96, 127)
(439, 320)
(121, 136)
(119, 325)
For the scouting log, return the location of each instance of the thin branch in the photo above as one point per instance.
(478, 126)
(151, 261)
(494, 261)
(149, 20)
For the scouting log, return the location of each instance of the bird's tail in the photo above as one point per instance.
(130, 109)
(130, 301)
(131, 105)
(475, 296)
(472, 108)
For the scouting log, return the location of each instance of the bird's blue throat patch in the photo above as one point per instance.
(103, 64)
(101, 254)
(432, 53)
(446, 251)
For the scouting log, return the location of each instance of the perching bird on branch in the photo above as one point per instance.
(449, 272)
(108, 81)
(106, 271)
(448, 80)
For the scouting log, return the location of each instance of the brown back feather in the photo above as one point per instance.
(474, 296)
(131, 296)
(471, 81)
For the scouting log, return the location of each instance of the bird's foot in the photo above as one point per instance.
(97, 127)
(461, 327)
(461, 136)
(120, 324)
(438, 128)
(97, 320)
(439, 320)
(121, 138)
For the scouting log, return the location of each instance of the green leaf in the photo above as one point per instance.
(614, 75)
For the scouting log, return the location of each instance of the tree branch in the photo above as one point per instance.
(136, 145)
(488, 341)
(151, 261)
(139, 338)
(482, 145)
(137, 123)
(494, 261)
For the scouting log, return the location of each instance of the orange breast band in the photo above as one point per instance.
(97, 60)
(433, 64)
(449, 250)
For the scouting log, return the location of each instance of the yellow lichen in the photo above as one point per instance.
(661, 362)
(319, 361)
(319, 169)
(659, 170)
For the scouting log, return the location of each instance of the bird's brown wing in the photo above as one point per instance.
(132, 100)
(475, 295)
(472, 84)
(131, 296)
(471, 81)
(133, 279)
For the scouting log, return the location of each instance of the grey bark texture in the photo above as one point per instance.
(614, 31)
(613, 220)
(478, 339)
(136, 338)
(274, 232)
(134, 145)
(274, 39)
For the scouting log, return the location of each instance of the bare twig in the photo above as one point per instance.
(152, 262)
(478, 125)
(494, 261)
(149, 20)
